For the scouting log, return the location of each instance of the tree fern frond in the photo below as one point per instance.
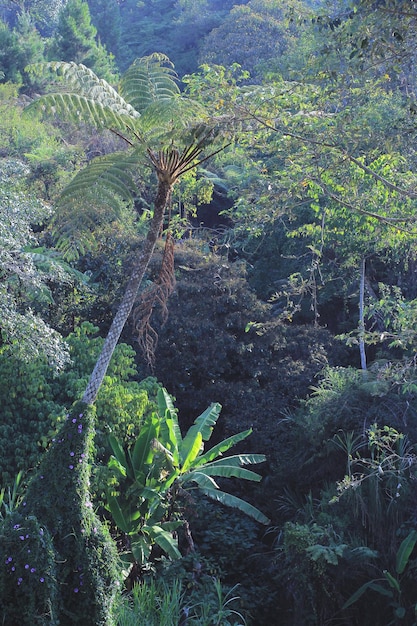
(83, 81)
(166, 117)
(148, 80)
(99, 193)
(78, 108)
(112, 172)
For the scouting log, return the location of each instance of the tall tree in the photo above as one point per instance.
(151, 116)
(75, 40)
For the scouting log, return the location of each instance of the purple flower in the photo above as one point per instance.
(74, 420)
(76, 590)
(33, 570)
(81, 414)
(71, 466)
(19, 581)
(22, 537)
(16, 526)
(26, 566)
(9, 559)
(41, 579)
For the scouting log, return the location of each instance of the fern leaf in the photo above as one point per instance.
(84, 82)
(148, 80)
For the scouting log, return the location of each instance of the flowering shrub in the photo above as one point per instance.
(69, 575)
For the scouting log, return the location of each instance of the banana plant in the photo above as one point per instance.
(161, 463)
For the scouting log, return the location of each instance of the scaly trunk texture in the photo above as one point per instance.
(161, 201)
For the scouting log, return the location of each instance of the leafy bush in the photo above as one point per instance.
(34, 401)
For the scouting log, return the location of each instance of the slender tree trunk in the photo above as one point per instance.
(126, 305)
(361, 317)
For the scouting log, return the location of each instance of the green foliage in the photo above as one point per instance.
(317, 563)
(391, 587)
(19, 47)
(75, 40)
(164, 604)
(254, 34)
(147, 112)
(154, 471)
(34, 400)
(63, 558)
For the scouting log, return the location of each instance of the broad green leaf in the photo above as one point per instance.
(118, 514)
(201, 479)
(120, 455)
(172, 440)
(405, 550)
(193, 451)
(371, 584)
(204, 425)
(229, 471)
(143, 452)
(236, 503)
(141, 549)
(237, 460)
(164, 540)
(165, 403)
(224, 446)
(114, 464)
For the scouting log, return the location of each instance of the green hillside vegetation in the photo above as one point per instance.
(208, 313)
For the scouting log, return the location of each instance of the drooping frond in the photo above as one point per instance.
(148, 80)
(112, 172)
(79, 79)
(98, 193)
(156, 295)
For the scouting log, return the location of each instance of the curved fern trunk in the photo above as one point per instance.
(161, 201)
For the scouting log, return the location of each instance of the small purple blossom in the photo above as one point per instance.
(26, 566)
(9, 560)
(16, 526)
(33, 570)
(72, 453)
(41, 579)
(71, 467)
(74, 420)
(19, 581)
(76, 590)
(81, 415)
(22, 537)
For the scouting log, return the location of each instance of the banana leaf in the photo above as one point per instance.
(236, 503)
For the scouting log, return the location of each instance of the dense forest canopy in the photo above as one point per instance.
(208, 208)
